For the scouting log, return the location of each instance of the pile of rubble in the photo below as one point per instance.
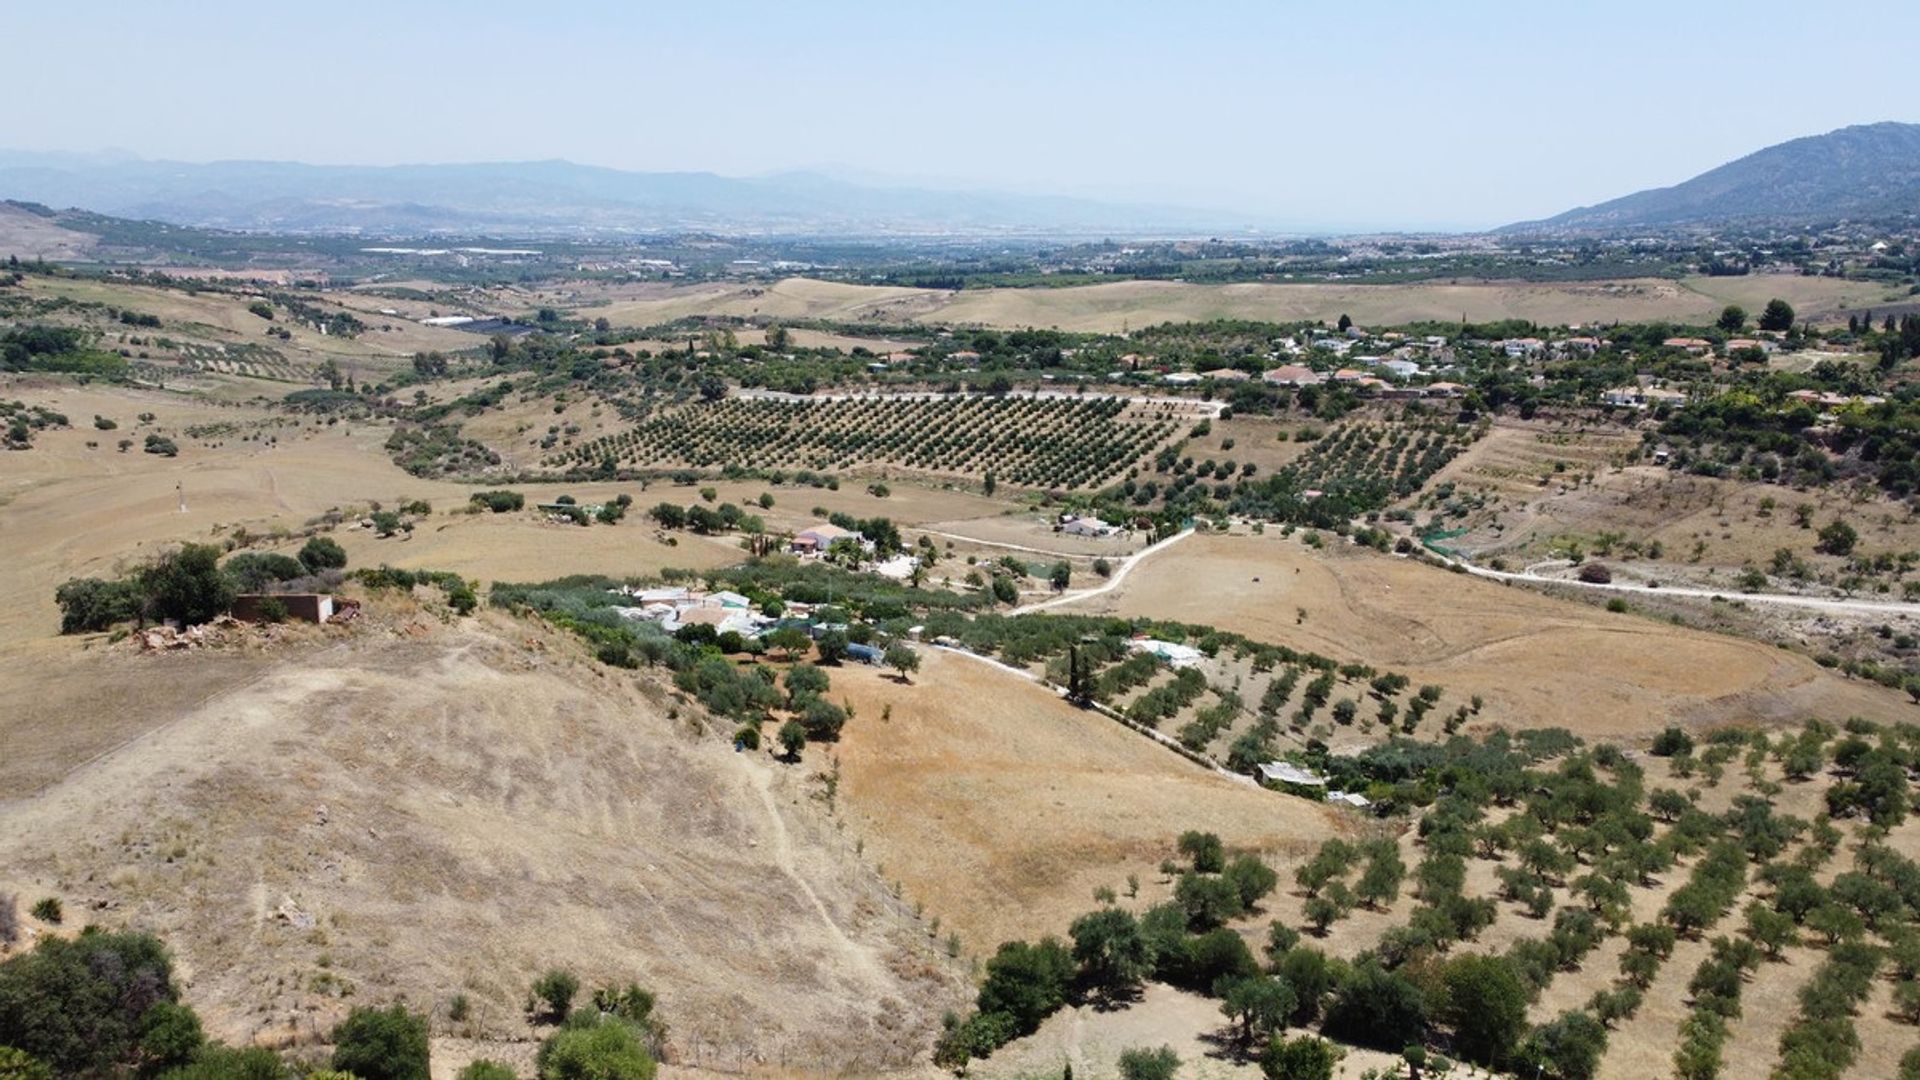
(223, 632)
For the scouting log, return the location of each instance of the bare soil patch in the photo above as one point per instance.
(1001, 808)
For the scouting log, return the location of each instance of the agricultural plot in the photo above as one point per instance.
(1069, 443)
(246, 360)
(1386, 460)
(1748, 905)
(1238, 704)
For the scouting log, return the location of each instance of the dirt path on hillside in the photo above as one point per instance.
(437, 808)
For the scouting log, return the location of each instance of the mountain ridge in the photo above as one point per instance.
(545, 195)
(1861, 171)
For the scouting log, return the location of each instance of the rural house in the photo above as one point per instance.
(1292, 375)
(818, 538)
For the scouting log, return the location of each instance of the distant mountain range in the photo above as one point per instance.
(547, 197)
(1861, 172)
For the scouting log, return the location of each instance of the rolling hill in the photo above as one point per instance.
(1865, 171)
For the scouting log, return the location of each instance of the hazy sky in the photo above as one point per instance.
(1331, 114)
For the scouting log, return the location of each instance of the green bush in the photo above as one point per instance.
(594, 1047)
(382, 1044)
(254, 571)
(323, 553)
(1304, 1058)
(555, 990)
(1141, 1064)
(187, 585)
(90, 604)
(499, 502)
(216, 1062)
(20, 1065)
(82, 1006)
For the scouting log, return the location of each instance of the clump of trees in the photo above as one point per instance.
(186, 585)
(1111, 951)
(190, 585)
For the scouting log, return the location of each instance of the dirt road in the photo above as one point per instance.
(1119, 575)
(1816, 603)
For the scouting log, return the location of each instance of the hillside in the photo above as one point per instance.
(1869, 170)
(426, 809)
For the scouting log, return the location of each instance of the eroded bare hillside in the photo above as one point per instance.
(429, 809)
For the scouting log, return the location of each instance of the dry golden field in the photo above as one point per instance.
(1537, 661)
(223, 318)
(1001, 808)
(1133, 304)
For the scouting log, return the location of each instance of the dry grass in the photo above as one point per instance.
(432, 809)
(1001, 808)
(1536, 660)
(1120, 305)
(223, 318)
(71, 511)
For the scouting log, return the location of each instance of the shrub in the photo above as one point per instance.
(9, 919)
(487, 1070)
(1206, 851)
(187, 585)
(977, 1036)
(1594, 573)
(322, 553)
(555, 990)
(170, 1036)
(80, 1006)
(382, 1044)
(160, 444)
(253, 571)
(1672, 742)
(1304, 1058)
(1837, 538)
(594, 1048)
(216, 1062)
(20, 1065)
(499, 502)
(90, 604)
(47, 909)
(1139, 1064)
(1026, 982)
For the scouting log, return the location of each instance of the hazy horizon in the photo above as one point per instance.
(1385, 116)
